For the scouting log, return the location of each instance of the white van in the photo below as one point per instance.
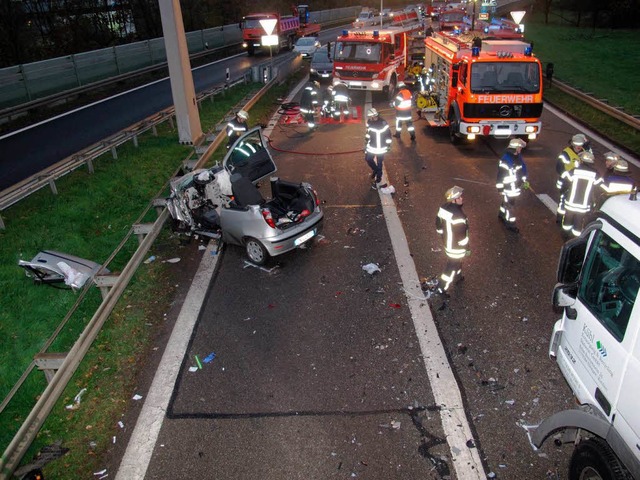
(596, 344)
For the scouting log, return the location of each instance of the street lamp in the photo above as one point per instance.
(473, 18)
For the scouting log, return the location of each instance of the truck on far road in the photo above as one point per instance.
(288, 29)
(596, 344)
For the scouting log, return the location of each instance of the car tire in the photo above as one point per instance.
(256, 251)
(594, 459)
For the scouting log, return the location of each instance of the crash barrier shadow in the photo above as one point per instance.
(59, 367)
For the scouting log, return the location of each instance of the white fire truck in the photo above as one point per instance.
(375, 59)
(490, 87)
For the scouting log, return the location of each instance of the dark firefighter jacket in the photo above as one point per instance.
(451, 223)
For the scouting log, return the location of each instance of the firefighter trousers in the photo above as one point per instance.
(507, 209)
(400, 122)
(572, 222)
(452, 273)
(375, 163)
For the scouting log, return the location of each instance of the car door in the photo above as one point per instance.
(250, 157)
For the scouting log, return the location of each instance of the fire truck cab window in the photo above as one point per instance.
(359, 52)
(511, 77)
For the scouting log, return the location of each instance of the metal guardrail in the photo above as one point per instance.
(38, 415)
(601, 105)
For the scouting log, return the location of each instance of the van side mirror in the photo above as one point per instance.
(564, 297)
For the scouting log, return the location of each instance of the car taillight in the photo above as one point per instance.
(315, 195)
(266, 214)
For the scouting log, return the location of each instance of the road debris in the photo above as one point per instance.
(76, 400)
(371, 268)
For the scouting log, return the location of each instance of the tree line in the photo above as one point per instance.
(33, 30)
(612, 14)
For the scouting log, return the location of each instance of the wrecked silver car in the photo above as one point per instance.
(224, 201)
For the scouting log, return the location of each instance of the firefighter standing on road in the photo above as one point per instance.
(578, 187)
(567, 161)
(452, 224)
(377, 143)
(512, 176)
(341, 100)
(236, 127)
(402, 103)
(309, 102)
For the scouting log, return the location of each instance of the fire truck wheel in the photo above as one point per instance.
(392, 88)
(453, 128)
(593, 458)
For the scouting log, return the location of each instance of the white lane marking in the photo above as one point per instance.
(550, 203)
(145, 434)
(465, 460)
(474, 181)
(137, 457)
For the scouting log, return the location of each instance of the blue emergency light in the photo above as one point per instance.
(376, 34)
(528, 50)
(475, 51)
(345, 33)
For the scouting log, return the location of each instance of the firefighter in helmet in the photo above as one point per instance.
(236, 127)
(618, 179)
(377, 143)
(512, 177)
(567, 160)
(341, 100)
(578, 187)
(309, 103)
(452, 224)
(402, 103)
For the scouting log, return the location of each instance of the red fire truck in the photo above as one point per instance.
(482, 86)
(375, 59)
(288, 29)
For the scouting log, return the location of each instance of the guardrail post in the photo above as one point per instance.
(2, 226)
(52, 185)
(114, 152)
(135, 141)
(159, 204)
(154, 130)
(49, 363)
(90, 165)
(141, 230)
(105, 282)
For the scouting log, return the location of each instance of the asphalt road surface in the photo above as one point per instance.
(318, 371)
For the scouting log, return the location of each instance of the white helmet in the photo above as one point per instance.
(453, 193)
(517, 143)
(621, 166)
(243, 115)
(611, 157)
(372, 112)
(587, 157)
(579, 140)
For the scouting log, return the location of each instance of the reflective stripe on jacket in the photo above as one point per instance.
(512, 171)
(579, 184)
(378, 137)
(451, 222)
